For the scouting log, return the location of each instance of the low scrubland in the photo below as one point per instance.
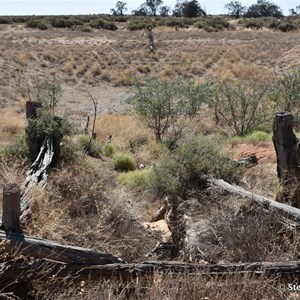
(186, 119)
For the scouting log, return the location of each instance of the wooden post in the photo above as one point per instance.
(11, 207)
(285, 143)
(31, 109)
(287, 149)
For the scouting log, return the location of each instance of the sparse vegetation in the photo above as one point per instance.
(180, 174)
(241, 108)
(157, 143)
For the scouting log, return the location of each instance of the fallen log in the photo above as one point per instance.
(287, 211)
(24, 270)
(18, 244)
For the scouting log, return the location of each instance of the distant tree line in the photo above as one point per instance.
(192, 9)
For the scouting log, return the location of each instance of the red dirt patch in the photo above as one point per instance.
(264, 152)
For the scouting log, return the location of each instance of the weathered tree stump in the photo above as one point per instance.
(11, 207)
(286, 146)
(31, 109)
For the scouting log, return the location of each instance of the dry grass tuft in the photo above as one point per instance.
(11, 122)
(123, 129)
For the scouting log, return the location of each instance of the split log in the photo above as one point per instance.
(19, 244)
(11, 207)
(37, 174)
(287, 211)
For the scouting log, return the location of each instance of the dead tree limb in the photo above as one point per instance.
(22, 270)
(19, 244)
(93, 134)
(287, 211)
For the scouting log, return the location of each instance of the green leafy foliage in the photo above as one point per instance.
(239, 107)
(286, 90)
(65, 22)
(38, 23)
(180, 174)
(103, 24)
(47, 124)
(124, 162)
(108, 150)
(264, 8)
(135, 179)
(17, 150)
(47, 93)
(138, 23)
(91, 147)
(164, 104)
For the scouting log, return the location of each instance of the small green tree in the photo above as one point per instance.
(241, 108)
(47, 92)
(47, 123)
(153, 6)
(164, 104)
(119, 9)
(180, 174)
(235, 9)
(264, 8)
(188, 9)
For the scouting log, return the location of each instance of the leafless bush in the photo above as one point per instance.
(253, 234)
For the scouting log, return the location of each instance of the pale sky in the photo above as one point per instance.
(75, 7)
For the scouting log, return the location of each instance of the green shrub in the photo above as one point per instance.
(286, 27)
(20, 19)
(68, 151)
(65, 22)
(157, 150)
(6, 20)
(123, 162)
(136, 143)
(103, 24)
(139, 23)
(91, 147)
(173, 22)
(17, 150)
(254, 24)
(37, 23)
(180, 174)
(137, 178)
(201, 24)
(218, 23)
(108, 150)
(239, 107)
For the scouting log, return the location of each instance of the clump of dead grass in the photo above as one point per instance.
(12, 122)
(123, 128)
(173, 286)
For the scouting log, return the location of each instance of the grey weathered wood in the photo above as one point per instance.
(287, 211)
(11, 270)
(20, 244)
(37, 174)
(285, 143)
(31, 109)
(11, 207)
